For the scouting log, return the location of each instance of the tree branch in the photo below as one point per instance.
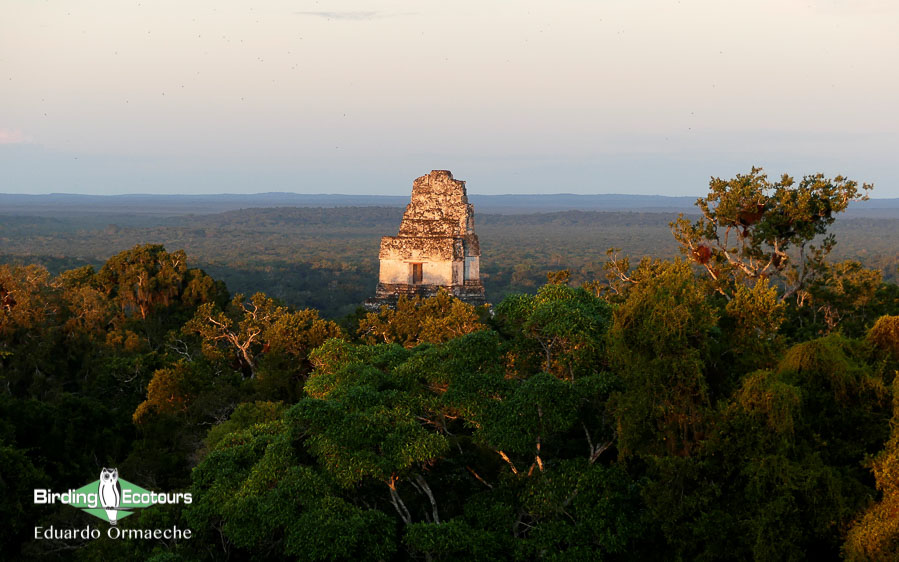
(397, 501)
(424, 484)
(506, 458)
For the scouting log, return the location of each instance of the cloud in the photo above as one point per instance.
(858, 7)
(351, 16)
(8, 136)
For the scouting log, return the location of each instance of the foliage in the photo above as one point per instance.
(439, 439)
(660, 342)
(751, 326)
(247, 330)
(420, 320)
(885, 335)
(566, 323)
(875, 534)
(846, 297)
(245, 416)
(147, 278)
(254, 489)
(20, 477)
(777, 477)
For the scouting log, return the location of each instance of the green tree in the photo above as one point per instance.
(843, 298)
(884, 335)
(147, 278)
(18, 478)
(752, 228)
(419, 320)
(144, 277)
(779, 474)
(660, 341)
(254, 490)
(751, 324)
(875, 534)
(30, 309)
(246, 330)
(566, 324)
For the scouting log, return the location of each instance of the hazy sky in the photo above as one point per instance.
(581, 96)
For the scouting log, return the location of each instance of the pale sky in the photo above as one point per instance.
(577, 96)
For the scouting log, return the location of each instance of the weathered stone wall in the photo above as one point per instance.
(439, 208)
(395, 272)
(420, 248)
(440, 198)
(472, 268)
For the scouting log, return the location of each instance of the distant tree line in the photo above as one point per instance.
(326, 259)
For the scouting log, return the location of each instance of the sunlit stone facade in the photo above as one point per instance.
(436, 245)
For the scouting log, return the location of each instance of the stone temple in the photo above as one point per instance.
(436, 246)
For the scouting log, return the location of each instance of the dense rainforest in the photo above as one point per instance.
(738, 402)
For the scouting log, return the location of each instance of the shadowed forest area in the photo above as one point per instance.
(721, 386)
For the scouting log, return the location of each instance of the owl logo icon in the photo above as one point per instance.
(110, 492)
